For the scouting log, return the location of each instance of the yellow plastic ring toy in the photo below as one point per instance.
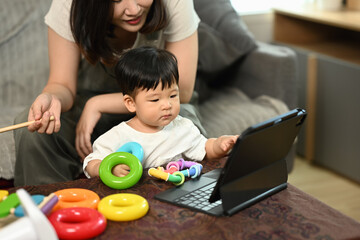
(76, 197)
(123, 207)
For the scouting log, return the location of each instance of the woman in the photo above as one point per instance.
(85, 38)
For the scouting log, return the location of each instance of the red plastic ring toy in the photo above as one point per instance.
(77, 223)
(76, 197)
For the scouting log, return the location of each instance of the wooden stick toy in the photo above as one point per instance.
(20, 125)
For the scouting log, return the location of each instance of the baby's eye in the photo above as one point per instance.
(153, 100)
(173, 96)
(116, 1)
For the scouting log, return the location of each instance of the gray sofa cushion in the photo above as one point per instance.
(24, 66)
(7, 143)
(222, 31)
(23, 40)
(230, 111)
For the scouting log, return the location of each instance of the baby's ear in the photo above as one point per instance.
(129, 103)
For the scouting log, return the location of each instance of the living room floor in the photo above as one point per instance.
(331, 188)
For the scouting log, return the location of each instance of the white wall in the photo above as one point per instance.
(260, 24)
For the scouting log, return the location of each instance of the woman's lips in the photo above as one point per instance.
(134, 21)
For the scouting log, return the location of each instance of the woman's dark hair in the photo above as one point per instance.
(145, 68)
(90, 22)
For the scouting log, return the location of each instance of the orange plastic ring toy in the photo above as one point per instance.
(77, 223)
(76, 197)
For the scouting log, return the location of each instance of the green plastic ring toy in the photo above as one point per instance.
(114, 159)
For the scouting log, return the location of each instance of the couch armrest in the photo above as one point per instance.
(269, 70)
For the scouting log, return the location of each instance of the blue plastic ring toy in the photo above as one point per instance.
(134, 148)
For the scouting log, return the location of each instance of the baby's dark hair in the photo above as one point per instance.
(145, 68)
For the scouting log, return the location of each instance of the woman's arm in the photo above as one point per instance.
(94, 107)
(186, 52)
(59, 93)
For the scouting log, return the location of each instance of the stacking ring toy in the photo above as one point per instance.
(76, 197)
(123, 207)
(114, 159)
(77, 223)
(134, 148)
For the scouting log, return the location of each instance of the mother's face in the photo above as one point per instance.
(130, 15)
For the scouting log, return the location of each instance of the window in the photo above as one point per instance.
(261, 6)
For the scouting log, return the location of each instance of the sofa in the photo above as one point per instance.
(245, 81)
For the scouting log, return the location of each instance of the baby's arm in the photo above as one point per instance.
(120, 170)
(219, 147)
(92, 167)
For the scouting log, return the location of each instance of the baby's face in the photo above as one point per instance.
(156, 108)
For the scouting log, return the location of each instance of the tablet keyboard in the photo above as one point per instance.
(199, 199)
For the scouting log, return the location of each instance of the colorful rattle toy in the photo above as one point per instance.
(130, 154)
(19, 211)
(3, 194)
(12, 201)
(34, 225)
(173, 173)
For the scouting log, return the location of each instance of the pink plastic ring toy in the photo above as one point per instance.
(77, 223)
(76, 197)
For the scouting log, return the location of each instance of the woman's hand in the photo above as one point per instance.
(85, 127)
(105, 103)
(46, 105)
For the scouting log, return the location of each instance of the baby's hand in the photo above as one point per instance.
(227, 142)
(121, 170)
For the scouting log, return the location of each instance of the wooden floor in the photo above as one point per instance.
(327, 186)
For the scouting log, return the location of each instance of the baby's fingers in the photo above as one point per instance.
(121, 170)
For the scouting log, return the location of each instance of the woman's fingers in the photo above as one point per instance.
(87, 143)
(78, 146)
(51, 125)
(35, 126)
(46, 111)
(45, 120)
(83, 144)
